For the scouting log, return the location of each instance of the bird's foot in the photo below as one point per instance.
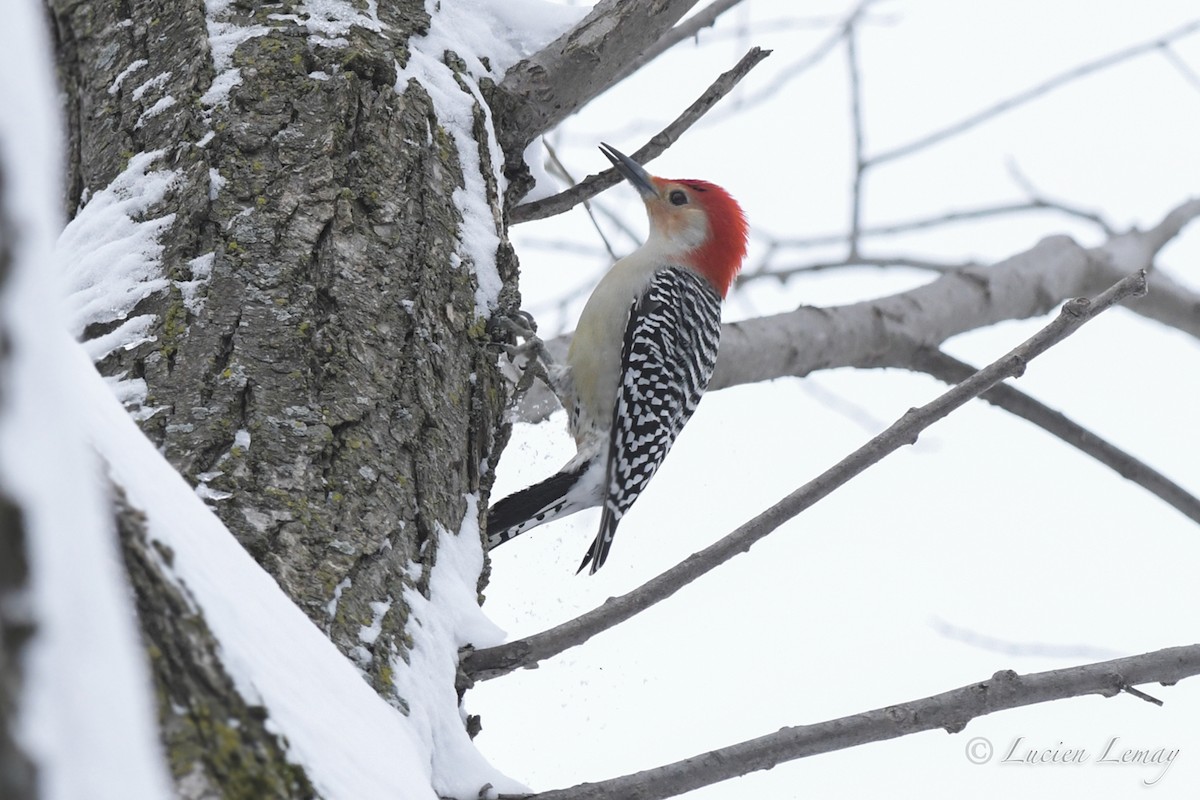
(529, 357)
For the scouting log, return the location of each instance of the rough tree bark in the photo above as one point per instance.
(338, 328)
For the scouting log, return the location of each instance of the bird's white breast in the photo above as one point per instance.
(595, 353)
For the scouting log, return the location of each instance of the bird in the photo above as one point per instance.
(640, 359)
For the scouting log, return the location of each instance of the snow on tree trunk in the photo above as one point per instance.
(306, 206)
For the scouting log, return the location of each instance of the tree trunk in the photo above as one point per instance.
(316, 359)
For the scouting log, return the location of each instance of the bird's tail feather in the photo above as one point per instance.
(597, 554)
(534, 506)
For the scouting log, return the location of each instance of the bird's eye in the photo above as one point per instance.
(678, 198)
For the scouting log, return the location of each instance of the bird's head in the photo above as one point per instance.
(695, 222)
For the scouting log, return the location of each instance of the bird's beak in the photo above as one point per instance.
(631, 171)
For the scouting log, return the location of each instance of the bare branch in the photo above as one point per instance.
(495, 661)
(948, 369)
(594, 184)
(948, 711)
(1021, 98)
(546, 88)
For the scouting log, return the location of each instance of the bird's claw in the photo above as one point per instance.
(519, 323)
(529, 357)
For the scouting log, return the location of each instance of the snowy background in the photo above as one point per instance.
(989, 527)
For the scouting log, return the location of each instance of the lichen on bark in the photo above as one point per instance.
(334, 379)
(217, 745)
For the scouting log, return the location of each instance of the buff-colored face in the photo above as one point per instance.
(692, 221)
(677, 214)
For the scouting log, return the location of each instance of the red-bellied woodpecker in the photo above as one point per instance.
(641, 356)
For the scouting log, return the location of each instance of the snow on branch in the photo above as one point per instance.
(495, 661)
(949, 711)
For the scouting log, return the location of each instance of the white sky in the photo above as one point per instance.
(988, 524)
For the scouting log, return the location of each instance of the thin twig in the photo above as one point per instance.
(1184, 68)
(783, 24)
(1037, 198)
(948, 369)
(563, 246)
(950, 217)
(495, 661)
(783, 273)
(856, 121)
(949, 711)
(587, 205)
(1138, 693)
(594, 184)
(1021, 98)
(807, 61)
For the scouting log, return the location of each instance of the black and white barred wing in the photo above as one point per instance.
(670, 349)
